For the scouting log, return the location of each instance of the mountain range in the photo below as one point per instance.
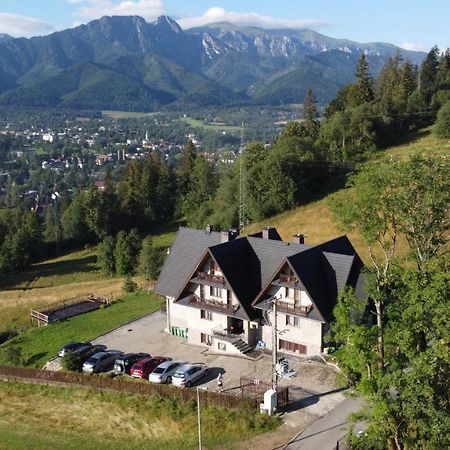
(126, 63)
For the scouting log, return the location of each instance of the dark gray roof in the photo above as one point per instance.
(240, 266)
(250, 263)
(272, 254)
(188, 249)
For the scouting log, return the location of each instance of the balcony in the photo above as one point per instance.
(208, 278)
(211, 304)
(285, 279)
(290, 308)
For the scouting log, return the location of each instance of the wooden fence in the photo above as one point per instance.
(123, 384)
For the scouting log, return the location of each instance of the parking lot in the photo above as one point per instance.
(312, 393)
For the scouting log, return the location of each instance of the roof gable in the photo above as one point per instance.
(187, 251)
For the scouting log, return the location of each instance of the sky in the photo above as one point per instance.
(411, 24)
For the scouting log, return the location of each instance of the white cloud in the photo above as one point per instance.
(217, 14)
(18, 26)
(94, 9)
(414, 47)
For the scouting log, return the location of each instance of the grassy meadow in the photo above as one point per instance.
(38, 345)
(105, 420)
(195, 123)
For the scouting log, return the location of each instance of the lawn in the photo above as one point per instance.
(126, 114)
(73, 418)
(195, 123)
(38, 345)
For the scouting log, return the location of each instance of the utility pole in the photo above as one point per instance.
(199, 421)
(275, 344)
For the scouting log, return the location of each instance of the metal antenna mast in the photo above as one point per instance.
(243, 217)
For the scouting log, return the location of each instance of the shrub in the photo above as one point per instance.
(129, 285)
(70, 361)
(442, 125)
(14, 355)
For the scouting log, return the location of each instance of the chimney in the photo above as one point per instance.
(228, 235)
(208, 229)
(299, 238)
(269, 233)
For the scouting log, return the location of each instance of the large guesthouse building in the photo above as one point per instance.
(220, 289)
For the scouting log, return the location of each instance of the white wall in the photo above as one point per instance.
(309, 333)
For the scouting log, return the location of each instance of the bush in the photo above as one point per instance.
(70, 361)
(129, 285)
(442, 125)
(14, 355)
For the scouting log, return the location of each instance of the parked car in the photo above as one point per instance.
(188, 374)
(124, 363)
(144, 367)
(84, 353)
(72, 347)
(163, 373)
(101, 362)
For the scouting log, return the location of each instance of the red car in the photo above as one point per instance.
(144, 367)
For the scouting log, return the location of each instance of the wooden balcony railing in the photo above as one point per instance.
(294, 309)
(288, 279)
(216, 305)
(211, 278)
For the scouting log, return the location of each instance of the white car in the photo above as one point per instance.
(188, 374)
(163, 373)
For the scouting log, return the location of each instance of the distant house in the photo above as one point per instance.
(220, 289)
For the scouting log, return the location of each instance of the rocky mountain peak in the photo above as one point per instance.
(165, 22)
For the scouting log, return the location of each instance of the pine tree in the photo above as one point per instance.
(364, 91)
(185, 166)
(428, 74)
(310, 124)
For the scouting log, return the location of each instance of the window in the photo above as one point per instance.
(297, 298)
(215, 291)
(205, 339)
(206, 314)
(292, 347)
(221, 346)
(293, 321)
(288, 293)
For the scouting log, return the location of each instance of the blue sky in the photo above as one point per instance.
(412, 24)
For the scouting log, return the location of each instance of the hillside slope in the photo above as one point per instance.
(318, 221)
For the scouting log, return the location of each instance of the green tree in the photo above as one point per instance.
(310, 125)
(202, 187)
(428, 74)
(185, 166)
(409, 401)
(151, 259)
(73, 220)
(364, 90)
(442, 126)
(106, 258)
(102, 212)
(422, 204)
(126, 252)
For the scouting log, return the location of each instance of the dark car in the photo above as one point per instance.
(72, 347)
(124, 363)
(144, 367)
(75, 359)
(84, 353)
(101, 362)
